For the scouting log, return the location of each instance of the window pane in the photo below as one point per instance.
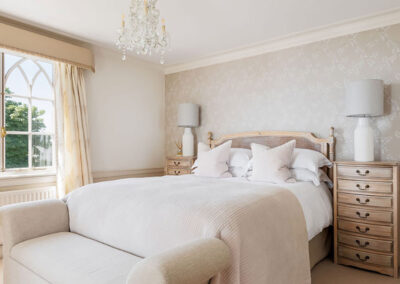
(9, 61)
(16, 151)
(42, 116)
(16, 114)
(30, 68)
(16, 84)
(42, 88)
(48, 67)
(42, 151)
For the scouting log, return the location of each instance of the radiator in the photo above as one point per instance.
(25, 195)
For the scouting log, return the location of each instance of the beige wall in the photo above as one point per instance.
(126, 113)
(300, 88)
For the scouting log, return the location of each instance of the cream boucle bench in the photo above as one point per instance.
(39, 248)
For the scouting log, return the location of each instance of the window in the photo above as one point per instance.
(27, 112)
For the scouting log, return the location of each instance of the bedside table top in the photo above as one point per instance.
(374, 163)
(180, 157)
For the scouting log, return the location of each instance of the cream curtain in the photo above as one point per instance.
(74, 168)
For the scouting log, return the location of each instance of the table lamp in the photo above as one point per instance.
(188, 117)
(364, 99)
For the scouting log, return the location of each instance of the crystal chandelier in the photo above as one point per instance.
(141, 32)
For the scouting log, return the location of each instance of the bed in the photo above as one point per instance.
(320, 244)
(275, 233)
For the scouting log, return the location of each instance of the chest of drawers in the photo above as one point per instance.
(366, 215)
(179, 165)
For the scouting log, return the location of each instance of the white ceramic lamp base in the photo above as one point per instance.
(363, 141)
(188, 142)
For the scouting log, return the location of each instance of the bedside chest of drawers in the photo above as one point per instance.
(366, 215)
(179, 165)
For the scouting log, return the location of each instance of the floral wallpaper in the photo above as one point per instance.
(299, 89)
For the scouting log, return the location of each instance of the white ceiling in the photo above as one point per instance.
(198, 28)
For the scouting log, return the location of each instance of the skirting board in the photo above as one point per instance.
(374, 21)
(113, 175)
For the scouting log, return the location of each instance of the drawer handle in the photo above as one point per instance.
(362, 188)
(177, 172)
(362, 202)
(362, 245)
(362, 231)
(363, 217)
(177, 163)
(362, 174)
(362, 259)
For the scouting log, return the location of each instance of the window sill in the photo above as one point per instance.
(27, 174)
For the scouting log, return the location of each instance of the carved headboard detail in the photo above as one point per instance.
(305, 140)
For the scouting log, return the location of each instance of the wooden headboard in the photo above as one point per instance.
(305, 140)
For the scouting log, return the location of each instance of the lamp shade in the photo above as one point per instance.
(364, 98)
(188, 115)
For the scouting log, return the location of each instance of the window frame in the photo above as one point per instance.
(4, 76)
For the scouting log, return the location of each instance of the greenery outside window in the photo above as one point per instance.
(27, 113)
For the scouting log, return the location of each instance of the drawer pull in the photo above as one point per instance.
(362, 188)
(362, 231)
(366, 172)
(362, 245)
(177, 172)
(177, 163)
(362, 259)
(363, 217)
(362, 202)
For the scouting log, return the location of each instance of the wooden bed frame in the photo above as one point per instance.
(305, 140)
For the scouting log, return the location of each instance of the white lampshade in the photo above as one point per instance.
(188, 115)
(364, 98)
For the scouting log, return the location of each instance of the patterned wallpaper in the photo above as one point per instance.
(300, 88)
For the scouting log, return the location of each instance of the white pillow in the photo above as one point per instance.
(237, 171)
(238, 161)
(239, 157)
(272, 165)
(307, 175)
(309, 159)
(324, 178)
(214, 162)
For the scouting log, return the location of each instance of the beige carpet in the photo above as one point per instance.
(327, 272)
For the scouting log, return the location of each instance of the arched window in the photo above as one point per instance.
(28, 113)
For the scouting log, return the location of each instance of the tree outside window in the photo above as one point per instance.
(28, 113)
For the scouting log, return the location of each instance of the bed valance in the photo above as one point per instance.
(24, 39)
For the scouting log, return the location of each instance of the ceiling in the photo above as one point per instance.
(198, 28)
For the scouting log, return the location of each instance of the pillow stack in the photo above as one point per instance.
(281, 164)
(286, 163)
(307, 164)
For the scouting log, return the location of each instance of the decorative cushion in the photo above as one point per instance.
(272, 165)
(213, 162)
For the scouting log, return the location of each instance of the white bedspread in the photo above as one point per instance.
(316, 202)
(261, 223)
